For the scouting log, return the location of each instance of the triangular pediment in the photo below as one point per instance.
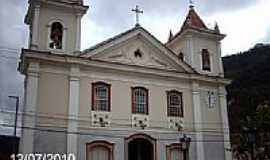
(137, 47)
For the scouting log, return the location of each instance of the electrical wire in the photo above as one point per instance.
(89, 121)
(99, 134)
(72, 116)
(88, 116)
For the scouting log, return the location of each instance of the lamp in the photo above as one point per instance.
(251, 139)
(185, 141)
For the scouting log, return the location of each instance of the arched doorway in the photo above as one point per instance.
(99, 150)
(140, 147)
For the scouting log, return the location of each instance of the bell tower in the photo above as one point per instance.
(55, 25)
(198, 45)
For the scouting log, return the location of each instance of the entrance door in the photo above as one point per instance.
(140, 149)
(100, 153)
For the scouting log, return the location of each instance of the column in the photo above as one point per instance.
(225, 122)
(35, 25)
(197, 120)
(78, 33)
(30, 106)
(73, 110)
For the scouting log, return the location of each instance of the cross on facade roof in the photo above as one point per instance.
(137, 11)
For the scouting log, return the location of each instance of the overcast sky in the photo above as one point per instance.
(246, 22)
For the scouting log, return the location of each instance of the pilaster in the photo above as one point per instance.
(197, 120)
(35, 27)
(30, 107)
(73, 110)
(78, 33)
(221, 70)
(190, 46)
(225, 122)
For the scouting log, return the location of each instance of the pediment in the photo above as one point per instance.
(139, 49)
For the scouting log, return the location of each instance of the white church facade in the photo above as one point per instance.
(130, 97)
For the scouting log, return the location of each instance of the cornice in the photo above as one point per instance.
(43, 57)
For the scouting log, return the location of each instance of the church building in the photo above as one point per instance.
(130, 97)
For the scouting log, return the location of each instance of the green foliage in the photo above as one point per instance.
(250, 87)
(249, 97)
(262, 117)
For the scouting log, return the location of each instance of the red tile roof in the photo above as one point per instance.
(193, 21)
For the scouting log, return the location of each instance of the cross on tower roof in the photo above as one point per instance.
(137, 12)
(191, 4)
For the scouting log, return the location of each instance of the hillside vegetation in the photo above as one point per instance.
(250, 87)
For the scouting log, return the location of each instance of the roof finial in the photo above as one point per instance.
(137, 11)
(216, 27)
(170, 36)
(191, 4)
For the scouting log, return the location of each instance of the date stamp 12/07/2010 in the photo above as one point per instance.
(36, 156)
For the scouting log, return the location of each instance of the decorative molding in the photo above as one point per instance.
(160, 62)
(77, 8)
(140, 121)
(127, 68)
(210, 99)
(147, 37)
(116, 56)
(100, 119)
(176, 123)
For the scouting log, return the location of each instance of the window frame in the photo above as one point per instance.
(94, 96)
(203, 52)
(109, 146)
(49, 26)
(169, 104)
(133, 101)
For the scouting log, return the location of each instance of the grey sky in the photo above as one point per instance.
(244, 21)
(266, 39)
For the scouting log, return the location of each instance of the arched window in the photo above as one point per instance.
(99, 150)
(175, 104)
(56, 36)
(139, 100)
(206, 62)
(101, 97)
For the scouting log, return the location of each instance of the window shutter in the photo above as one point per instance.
(109, 98)
(132, 100)
(181, 105)
(168, 103)
(93, 97)
(147, 102)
